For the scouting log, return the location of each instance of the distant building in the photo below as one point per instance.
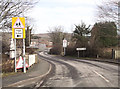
(44, 41)
(34, 43)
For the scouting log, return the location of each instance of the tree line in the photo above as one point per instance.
(9, 9)
(101, 35)
(96, 38)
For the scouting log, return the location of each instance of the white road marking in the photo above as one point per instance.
(101, 76)
(31, 79)
(38, 84)
(21, 86)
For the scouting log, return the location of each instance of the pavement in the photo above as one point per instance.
(35, 74)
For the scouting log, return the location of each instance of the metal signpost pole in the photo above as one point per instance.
(82, 49)
(83, 53)
(24, 63)
(18, 32)
(64, 51)
(64, 46)
(15, 55)
(78, 53)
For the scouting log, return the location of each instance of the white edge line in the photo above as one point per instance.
(17, 83)
(101, 76)
(39, 84)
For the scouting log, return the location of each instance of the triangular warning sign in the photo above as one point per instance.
(18, 24)
(20, 63)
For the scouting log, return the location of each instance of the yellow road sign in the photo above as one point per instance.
(18, 28)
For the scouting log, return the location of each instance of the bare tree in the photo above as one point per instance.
(13, 8)
(9, 9)
(108, 10)
(6, 42)
(56, 34)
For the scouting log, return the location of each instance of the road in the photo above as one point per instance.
(66, 72)
(80, 73)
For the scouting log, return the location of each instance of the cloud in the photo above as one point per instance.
(49, 13)
(66, 3)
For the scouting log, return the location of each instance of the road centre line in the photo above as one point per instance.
(101, 76)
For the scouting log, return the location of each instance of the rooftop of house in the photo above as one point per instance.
(34, 40)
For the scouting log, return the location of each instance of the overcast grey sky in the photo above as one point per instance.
(50, 13)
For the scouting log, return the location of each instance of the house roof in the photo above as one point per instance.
(34, 40)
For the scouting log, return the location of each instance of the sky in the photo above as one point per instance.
(48, 14)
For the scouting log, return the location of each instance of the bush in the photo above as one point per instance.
(71, 51)
(7, 66)
(31, 50)
(91, 52)
(106, 54)
(57, 49)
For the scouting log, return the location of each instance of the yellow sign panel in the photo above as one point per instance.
(18, 28)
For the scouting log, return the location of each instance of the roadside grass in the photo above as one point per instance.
(114, 61)
(91, 58)
(7, 66)
(75, 57)
(8, 74)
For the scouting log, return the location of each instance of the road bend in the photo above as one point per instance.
(80, 73)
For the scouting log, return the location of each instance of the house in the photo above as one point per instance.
(34, 43)
(44, 41)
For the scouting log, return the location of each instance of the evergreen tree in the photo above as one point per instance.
(80, 34)
(104, 34)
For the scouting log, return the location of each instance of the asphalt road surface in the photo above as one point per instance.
(80, 73)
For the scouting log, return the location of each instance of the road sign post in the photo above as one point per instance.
(64, 46)
(64, 51)
(24, 56)
(78, 49)
(18, 32)
(15, 55)
(18, 28)
(78, 54)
